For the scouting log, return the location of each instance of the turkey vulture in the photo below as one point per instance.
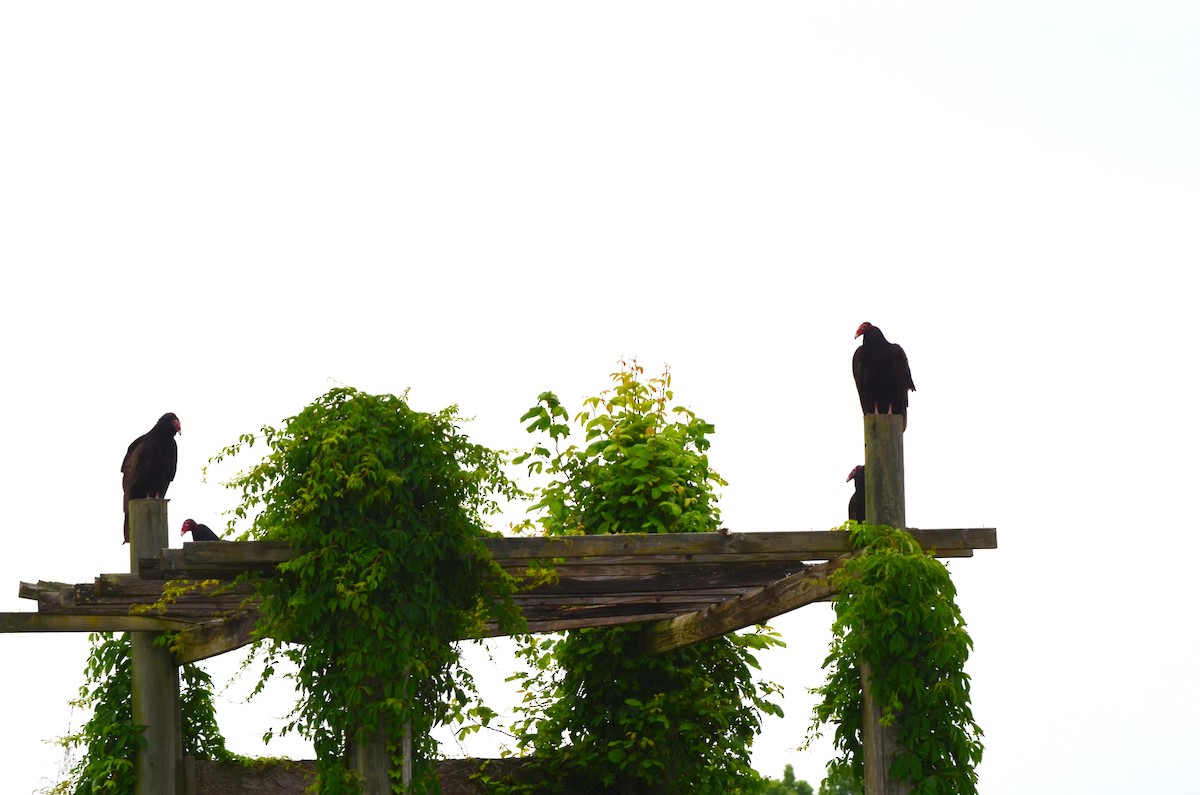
(858, 502)
(149, 465)
(200, 532)
(881, 374)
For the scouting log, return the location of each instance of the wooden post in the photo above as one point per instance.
(155, 677)
(407, 755)
(883, 436)
(373, 763)
(371, 759)
(884, 462)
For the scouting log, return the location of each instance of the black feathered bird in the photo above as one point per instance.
(881, 374)
(858, 502)
(149, 465)
(200, 532)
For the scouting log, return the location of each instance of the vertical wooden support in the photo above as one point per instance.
(884, 462)
(883, 436)
(155, 677)
(407, 754)
(373, 763)
(371, 759)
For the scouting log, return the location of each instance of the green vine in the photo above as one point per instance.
(384, 507)
(109, 739)
(598, 715)
(896, 610)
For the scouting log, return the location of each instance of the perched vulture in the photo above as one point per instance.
(200, 532)
(881, 374)
(149, 465)
(858, 502)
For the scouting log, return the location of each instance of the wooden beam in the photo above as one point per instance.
(652, 578)
(198, 560)
(558, 625)
(199, 642)
(42, 622)
(780, 597)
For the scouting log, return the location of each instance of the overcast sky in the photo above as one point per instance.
(223, 210)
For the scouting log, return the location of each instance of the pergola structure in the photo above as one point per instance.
(683, 587)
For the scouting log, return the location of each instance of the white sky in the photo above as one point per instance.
(221, 210)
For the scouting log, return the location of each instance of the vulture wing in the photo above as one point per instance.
(861, 378)
(858, 502)
(149, 464)
(882, 374)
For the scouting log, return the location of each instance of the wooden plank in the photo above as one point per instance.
(659, 597)
(559, 625)
(41, 622)
(215, 637)
(617, 585)
(661, 576)
(772, 600)
(198, 560)
(31, 590)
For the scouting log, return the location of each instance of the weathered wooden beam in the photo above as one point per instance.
(206, 640)
(772, 600)
(560, 624)
(883, 440)
(42, 622)
(536, 599)
(198, 560)
(652, 578)
(155, 677)
(800, 545)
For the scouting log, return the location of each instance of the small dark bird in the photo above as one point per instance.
(858, 502)
(149, 465)
(881, 374)
(200, 532)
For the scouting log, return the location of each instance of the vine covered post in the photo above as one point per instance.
(883, 436)
(155, 677)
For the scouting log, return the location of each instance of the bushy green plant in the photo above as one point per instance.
(384, 508)
(788, 785)
(598, 714)
(895, 610)
(109, 739)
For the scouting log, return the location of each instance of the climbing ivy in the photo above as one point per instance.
(896, 610)
(384, 508)
(598, 715)
(109, 739)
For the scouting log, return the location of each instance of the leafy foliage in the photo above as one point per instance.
(599, 714)
(789, 785)
(110, 739)
(896, 611)
(840, 780)
(384, 507)
(641, 471)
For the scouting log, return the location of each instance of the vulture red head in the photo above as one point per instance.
(854, 472)
(863, 329)
(200, 532)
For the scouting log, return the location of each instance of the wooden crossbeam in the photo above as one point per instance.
(43, 622)
(228, 559)
(691, 586)
(740, 612)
